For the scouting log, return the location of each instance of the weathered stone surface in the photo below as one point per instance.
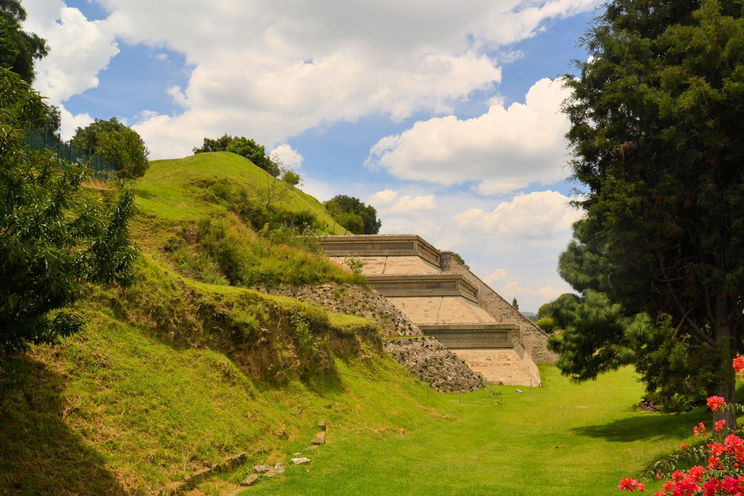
(425, 357)
(279, 468)
(261, 469)
(320, 438)
(301, 461)
(434, 364)
(322, 425)
(250, 480)
(534, 340)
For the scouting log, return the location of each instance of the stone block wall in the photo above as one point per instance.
(534, 339)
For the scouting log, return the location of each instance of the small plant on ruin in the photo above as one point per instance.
(355, 265)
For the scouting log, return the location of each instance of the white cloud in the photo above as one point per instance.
(550, 293)
(80, 49)
(287, 156)
(495, 276)
(389, 203)
(537, 215)
(384, 197)
(272, 69)
(505, 149)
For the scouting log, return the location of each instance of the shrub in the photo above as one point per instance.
(547, 324)
(722, 457)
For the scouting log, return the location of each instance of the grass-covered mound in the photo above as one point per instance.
(171, 376)
(218, 218)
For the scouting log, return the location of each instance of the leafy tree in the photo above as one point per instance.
(515, 304)
(117, 143)
(55, 236)
(656, 133)
(349, 211)
(214, 145)
(244, 147)
(291, 177)
(18, 49)
(561, 310)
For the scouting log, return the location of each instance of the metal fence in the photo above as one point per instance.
(42, 139)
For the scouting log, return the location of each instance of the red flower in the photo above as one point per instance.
(738, 364)
(719, 425)
(716, 402)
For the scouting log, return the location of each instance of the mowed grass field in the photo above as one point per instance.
(560, 439)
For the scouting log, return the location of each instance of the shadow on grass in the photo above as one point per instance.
(40, 454)
(650, 426)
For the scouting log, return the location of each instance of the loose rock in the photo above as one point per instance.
(250, 480)
(261, 469)
(301, 461)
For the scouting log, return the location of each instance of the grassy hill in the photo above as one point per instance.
(188, 366)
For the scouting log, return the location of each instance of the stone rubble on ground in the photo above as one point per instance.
(425, 357)
(261, 469)
(301, 461)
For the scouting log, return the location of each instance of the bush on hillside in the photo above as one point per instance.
(249, 261)
(291, 177)
(547, 324)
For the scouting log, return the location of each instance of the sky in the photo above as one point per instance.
(445, 116)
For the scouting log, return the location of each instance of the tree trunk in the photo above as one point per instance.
(725, 342)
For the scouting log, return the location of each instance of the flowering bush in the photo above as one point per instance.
(724, 473)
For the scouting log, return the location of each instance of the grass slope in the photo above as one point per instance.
(167, 190)
(559, 440)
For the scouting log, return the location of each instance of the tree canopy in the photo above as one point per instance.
(117, 143)
(357, 217)
(656, 133)
(244, 147)
(18, 49)
(55, 235)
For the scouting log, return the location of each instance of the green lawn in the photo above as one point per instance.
(561, 439)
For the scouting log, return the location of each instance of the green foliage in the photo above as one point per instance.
(547, 324)
(355, 265)
(244, 147)
(55, 235)
(18, 49)
(291, 177)
(246, 261)
(656, 132)
(115, 142)
(354, 215)
(514, 304)
(594, 341)
(561, 310)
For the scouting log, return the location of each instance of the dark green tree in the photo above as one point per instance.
(656, 132)
(18, 49)
(54, 235)
(515, 304)
(117, 143)
(244, 147)
(561, 310)
(349, 211)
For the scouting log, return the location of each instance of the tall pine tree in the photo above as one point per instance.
(658, 140)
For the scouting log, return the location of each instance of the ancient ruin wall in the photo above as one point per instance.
(425, 357)
(534, 339)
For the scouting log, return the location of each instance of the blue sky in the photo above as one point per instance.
(438, 114)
